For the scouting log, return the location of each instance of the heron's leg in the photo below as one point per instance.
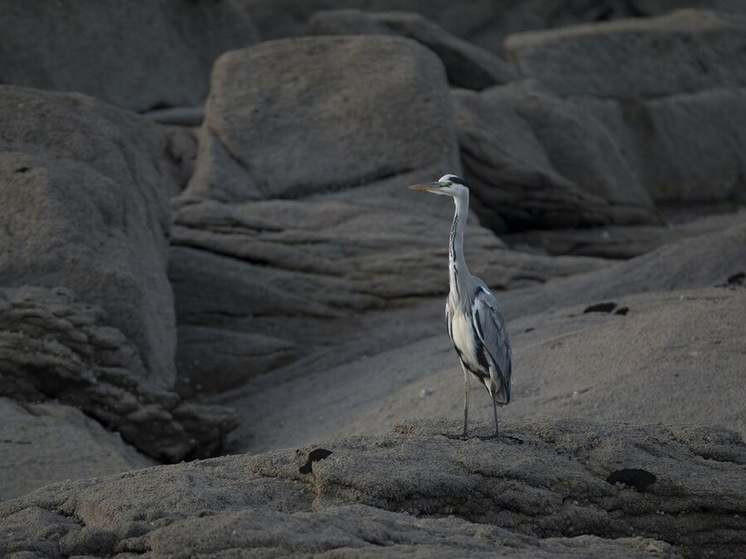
(494, 410)
(467, 388)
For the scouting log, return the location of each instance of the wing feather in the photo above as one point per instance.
(489, 325)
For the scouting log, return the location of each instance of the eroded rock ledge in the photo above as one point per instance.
(543, 490)
(53, 347)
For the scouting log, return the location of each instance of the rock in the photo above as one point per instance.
(85, 206)
(166, 62)
(700, 261)
(55, 348)
(49, 442)
(280, 257)
(619, 242)
(650, 82)
(403, 493)
(254, 142)
(682, 52)
(600, 366)
(214, 360)
(481, 22)
(284, 18)
(467, 66)
(534, 161)
(84, 189)
(676, 166)
(181, 143)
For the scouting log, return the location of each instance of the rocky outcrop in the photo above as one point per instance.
(636, 58)
(632, 490)
(650, 81)
(466, 65)
(486, 24)
(535, 161)
(85, 207)
(86, 309)
(676, 166)
(700, 261)
(138, 57)
(55, 348)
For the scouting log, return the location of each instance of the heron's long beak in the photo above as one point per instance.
(429, 186)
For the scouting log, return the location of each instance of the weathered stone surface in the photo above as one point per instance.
(483, 22)
(55, 348)
(466, 65)
(162, 59)
(684, 51)
(530, 495)
(668, 357)
(321, 118)
(50, 442)
(535, 161)
(286, 18)
(85, 206)
(701, 261)
(675, 164)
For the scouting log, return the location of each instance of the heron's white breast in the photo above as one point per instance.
(463, 336)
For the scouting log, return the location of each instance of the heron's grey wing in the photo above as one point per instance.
(489, 324)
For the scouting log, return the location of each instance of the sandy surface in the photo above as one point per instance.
(674, 357)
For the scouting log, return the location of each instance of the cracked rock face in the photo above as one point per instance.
(86, 308)
(529, 494)
(53, 347)
(85, 207)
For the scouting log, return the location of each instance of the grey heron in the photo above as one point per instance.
(475, 320)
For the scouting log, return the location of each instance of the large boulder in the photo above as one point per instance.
(86, 308)
(536, 161)
(85, 206)
(328, 113)
(467, 65)
(681, 52)
(651, 82)
(569, 488)
(676, 165)
(162, 59)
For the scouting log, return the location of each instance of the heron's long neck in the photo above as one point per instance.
(458, 272)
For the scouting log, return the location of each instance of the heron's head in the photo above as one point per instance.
(449, 185)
